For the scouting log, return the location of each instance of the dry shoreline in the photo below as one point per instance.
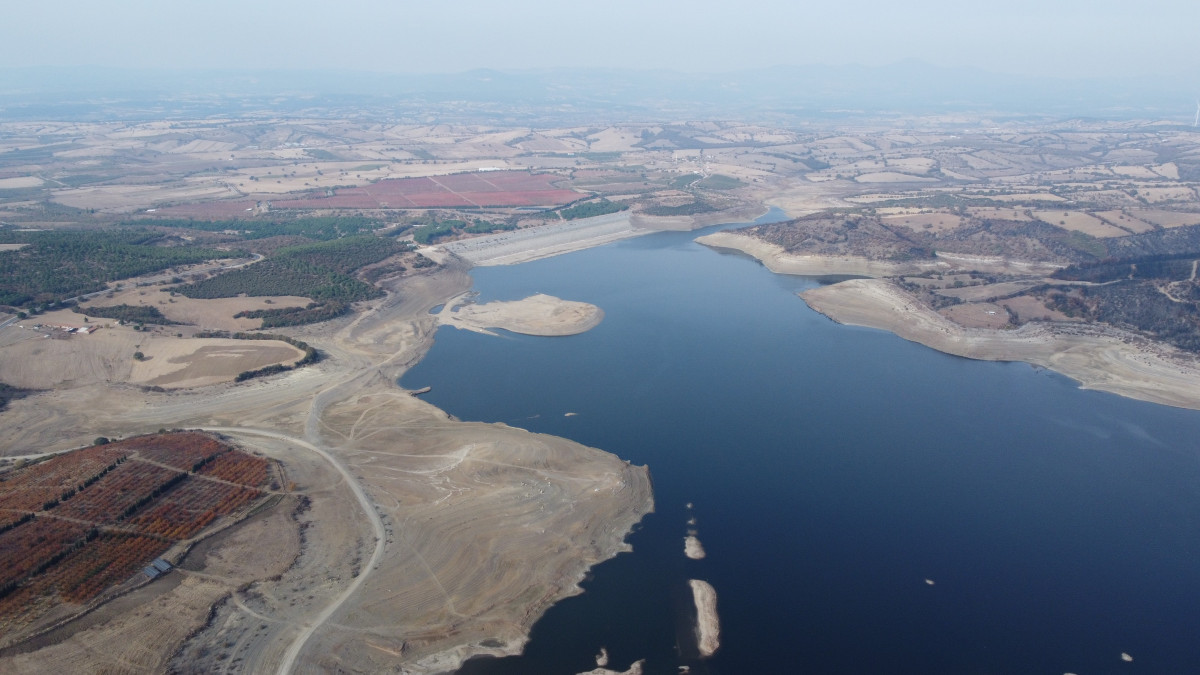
(1098, 357)
(484, 526)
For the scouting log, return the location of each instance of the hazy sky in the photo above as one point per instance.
(1062, 37)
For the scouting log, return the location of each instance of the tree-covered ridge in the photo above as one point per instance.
(319, 228)
(1164, 267)
(1170, 314)
(314, 312)
(60, 264)
(321, 271)
(282, 277)
(344, 255)
(433, 230)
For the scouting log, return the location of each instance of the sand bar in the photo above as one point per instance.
(538, 314)
(692, 548)
(708, 624)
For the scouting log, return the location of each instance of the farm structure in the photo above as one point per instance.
(75, 525)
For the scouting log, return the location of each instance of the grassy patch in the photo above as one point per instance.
(685, 181)
(719, 182)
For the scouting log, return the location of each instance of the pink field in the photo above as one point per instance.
(207, 210)
(463, 190)
(505, 189)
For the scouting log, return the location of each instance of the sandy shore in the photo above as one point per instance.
(708, 624)
(538, 314)
(1098, 357)
(692, 548)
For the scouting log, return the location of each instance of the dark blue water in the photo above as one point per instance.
(833, 470)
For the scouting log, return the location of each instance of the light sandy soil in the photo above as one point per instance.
(536, 315)
(1167, 194)
(1099, 358)
(994, 265)
(430, 540)
(1080, 222)
(1125, 221)
(976, 315)
(988, 291)
(1135, 171)
(129, 198)
(1166, 218)
(20, 182)
(107, 356)
(614, 139)
(893, 177)
(708, 623)
(212, 314)
(1029, 309)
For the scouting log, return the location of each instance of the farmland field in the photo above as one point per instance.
(501, 188)
(75, 525)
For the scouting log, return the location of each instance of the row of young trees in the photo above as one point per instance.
(43, 557)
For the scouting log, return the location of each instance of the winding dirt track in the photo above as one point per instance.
(289, 657)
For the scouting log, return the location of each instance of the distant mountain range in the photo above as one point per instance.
(771, 94)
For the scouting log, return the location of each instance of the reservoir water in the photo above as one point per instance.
(834, 472)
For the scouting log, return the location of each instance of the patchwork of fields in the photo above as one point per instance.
(75, 525)
(501, 189)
